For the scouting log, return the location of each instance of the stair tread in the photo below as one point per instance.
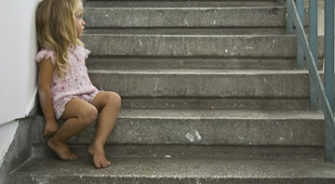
(200, 71)
(102, 33)
(174, 168)
(208, 127)
(215, 103)
(114, 63)
(180, 4)
(162, 14)
(220, 114)
(194, 151)
(252, 46)
(181, 7)
(186, 31)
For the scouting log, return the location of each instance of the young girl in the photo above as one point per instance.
(65, 90)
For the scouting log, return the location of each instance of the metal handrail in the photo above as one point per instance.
(307, 50)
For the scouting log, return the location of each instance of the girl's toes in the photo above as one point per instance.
(105, 164)
(75, 156)
(98, 165)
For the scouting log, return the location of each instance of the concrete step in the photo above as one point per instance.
(208, 127)
(215, 103)
(146, 45)
(183, 14)
(189, 31)
(182, 3)
(124, 63)
(193, 151)
(251, 46)
(211, 167)
(204, 83)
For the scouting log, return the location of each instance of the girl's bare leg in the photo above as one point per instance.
(108, 103)
(78, 114)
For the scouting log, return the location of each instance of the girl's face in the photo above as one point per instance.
(80, 23)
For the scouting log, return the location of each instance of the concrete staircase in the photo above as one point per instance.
(210, 95)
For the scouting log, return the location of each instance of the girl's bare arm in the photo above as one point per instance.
(45, 74)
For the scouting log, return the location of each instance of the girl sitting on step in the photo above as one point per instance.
(64, 87)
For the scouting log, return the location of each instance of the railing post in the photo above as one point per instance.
(313, 42)
(314, 72)
(300, 52)
(329, 51)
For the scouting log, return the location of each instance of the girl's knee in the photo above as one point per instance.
(89, 115)
(114, 99)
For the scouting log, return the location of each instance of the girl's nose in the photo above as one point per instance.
(83, 22)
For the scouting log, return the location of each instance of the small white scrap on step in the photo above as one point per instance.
(195, 135)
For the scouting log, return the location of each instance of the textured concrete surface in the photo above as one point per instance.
(189, 31)
(321, 19)
(190, 151)
(20, 149)
(215, 16)
(209, 127)
(190, 63)
(174, 170)
(182, 3)
(203, 83)
(215, 103)
(191, 45)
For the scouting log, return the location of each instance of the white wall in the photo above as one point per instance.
(17, 67)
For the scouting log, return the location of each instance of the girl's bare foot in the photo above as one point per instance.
(99, 158)
(62, 150)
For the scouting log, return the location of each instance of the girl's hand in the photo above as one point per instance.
(50, 128)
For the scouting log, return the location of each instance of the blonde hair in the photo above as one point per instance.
(56, 29)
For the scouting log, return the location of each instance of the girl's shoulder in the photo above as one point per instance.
(45, 54)
(82, 51)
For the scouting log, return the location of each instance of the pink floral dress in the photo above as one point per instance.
(76, 82)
